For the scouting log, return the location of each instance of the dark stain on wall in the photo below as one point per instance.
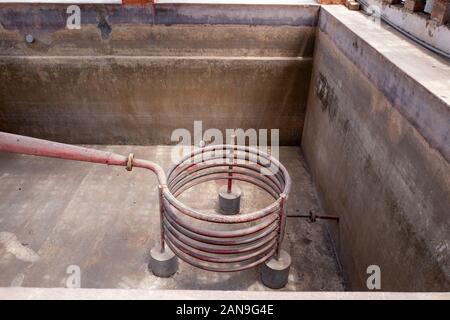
(326, 96)
(103, 25)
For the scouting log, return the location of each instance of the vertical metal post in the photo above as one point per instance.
(230, 167)
(161, 217)
(282, 224)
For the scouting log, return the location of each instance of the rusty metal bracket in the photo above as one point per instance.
(129, 166)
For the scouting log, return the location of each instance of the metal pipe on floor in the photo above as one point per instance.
(32, 146)
(243, 240)
(14, 143)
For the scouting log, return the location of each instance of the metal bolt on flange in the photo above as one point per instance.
(29, 39)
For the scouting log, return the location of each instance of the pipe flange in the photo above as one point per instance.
(129, 166)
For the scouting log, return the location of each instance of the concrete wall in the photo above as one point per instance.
(376, 140)
(132, 76)
(376, 130)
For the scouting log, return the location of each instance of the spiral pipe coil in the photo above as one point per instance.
(217, 242)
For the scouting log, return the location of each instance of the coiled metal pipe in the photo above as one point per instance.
(211, 242)
(245, 240)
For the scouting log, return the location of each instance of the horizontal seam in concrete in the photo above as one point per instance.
(103, 57)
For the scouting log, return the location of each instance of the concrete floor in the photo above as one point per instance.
(57, 213)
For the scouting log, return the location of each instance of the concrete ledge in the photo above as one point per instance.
(376, 140)
(160, 40)
(143, 99)
(122, 294)
(419, 25)
(53, 17)
(413, 71)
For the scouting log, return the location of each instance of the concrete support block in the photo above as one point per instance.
(163, 264)
(441, 11)
(414, 5)
(230, 202)
(275, 272)
(352, 5)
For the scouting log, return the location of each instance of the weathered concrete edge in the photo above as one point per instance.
(18, 293)
(431, 124)
(65, 59)
(53, 17)
(421, 26)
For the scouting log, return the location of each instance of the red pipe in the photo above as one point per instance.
(14, 143)
(38, 147)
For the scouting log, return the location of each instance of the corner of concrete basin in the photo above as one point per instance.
(376, 139)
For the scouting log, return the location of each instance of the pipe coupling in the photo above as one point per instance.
(129, 166)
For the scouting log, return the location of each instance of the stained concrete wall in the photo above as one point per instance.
(376, 140)
(132, 76)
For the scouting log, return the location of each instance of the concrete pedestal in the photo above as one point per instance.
(275, 272)
(163, 264)
(230, 202)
